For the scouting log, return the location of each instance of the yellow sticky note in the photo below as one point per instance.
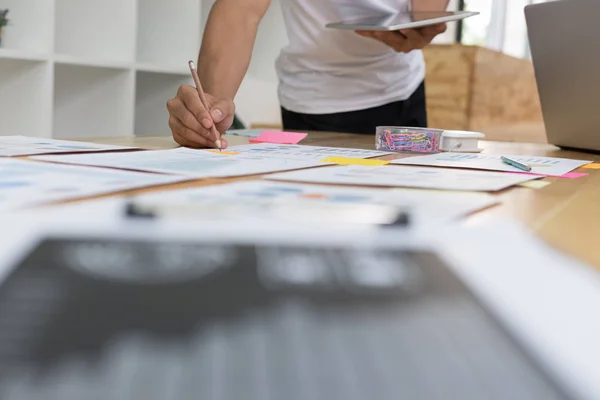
(592, 166)
(355, 161)
(225, 153)
(537, 184)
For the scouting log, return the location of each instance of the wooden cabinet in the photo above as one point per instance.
(478, 89)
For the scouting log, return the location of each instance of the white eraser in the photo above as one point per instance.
(461, 141)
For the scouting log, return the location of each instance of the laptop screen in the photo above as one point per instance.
(107, 319)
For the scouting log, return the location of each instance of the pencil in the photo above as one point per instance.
(203, 100)
(516, 164)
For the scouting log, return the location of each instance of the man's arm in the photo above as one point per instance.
(224, 58)
(227, 45)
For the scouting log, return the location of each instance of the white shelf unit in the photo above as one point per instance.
(94, 68)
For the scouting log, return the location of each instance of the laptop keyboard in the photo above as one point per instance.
(97, 319)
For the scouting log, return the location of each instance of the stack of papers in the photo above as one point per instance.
(546, 166)
(25, 183)
(14, 146)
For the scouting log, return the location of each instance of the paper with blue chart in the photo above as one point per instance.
(250, 133)
(263, 199)
(27, 183)
(539, 165)
(404, 176)
(14, 146)
(235, 161)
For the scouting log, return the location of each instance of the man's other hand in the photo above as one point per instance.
(406, 40)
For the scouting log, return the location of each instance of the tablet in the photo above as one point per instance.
(404, 20)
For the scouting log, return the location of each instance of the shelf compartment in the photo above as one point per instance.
(91, 102)
(25, 98)
(30, 26)
(96, 29)
(169, 32)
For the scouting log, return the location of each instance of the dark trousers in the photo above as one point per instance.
(411, 112)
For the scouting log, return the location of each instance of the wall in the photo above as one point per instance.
(257, 101)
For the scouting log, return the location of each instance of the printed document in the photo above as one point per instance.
(13, 146)
(241, 160)
(547, 166)
(413, 177)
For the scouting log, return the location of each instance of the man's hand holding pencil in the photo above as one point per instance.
(198, 119)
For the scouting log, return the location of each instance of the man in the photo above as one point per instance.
(331, 80)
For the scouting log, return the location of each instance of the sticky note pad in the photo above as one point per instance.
(355, 161)
(592, 166)
(538, 184)
(568, 175)
(280, 137)
(573, 175)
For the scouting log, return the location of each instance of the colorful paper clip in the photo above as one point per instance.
(406, 139)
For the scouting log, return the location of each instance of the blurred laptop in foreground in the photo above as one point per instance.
(112, 316)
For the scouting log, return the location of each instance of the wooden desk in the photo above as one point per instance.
(566, 213)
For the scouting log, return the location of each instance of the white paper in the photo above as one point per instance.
(415, 177)
(263, 199)
(540, 165)
(250, 159)
(13, 146)
(28, 183)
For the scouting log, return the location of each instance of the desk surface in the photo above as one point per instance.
(566, 214)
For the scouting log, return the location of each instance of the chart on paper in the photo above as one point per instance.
(264, 199)
(235, 161)
(302, 152)
(250, 133)
(13, 146)
(539, 165)
(414, 177)
(27, 183)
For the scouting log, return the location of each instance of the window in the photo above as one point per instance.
(500, 26)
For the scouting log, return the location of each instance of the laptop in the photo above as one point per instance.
(566, 53)
(106, 318)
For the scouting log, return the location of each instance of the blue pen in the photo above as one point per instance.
(516, 164)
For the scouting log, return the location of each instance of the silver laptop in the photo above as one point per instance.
(565, 49)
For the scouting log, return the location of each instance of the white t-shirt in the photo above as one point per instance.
(325, 71)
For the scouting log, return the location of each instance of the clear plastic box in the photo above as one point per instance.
(408, 139)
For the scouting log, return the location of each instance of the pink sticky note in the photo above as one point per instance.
(574, 175)
(568, 175)
(280, 137)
